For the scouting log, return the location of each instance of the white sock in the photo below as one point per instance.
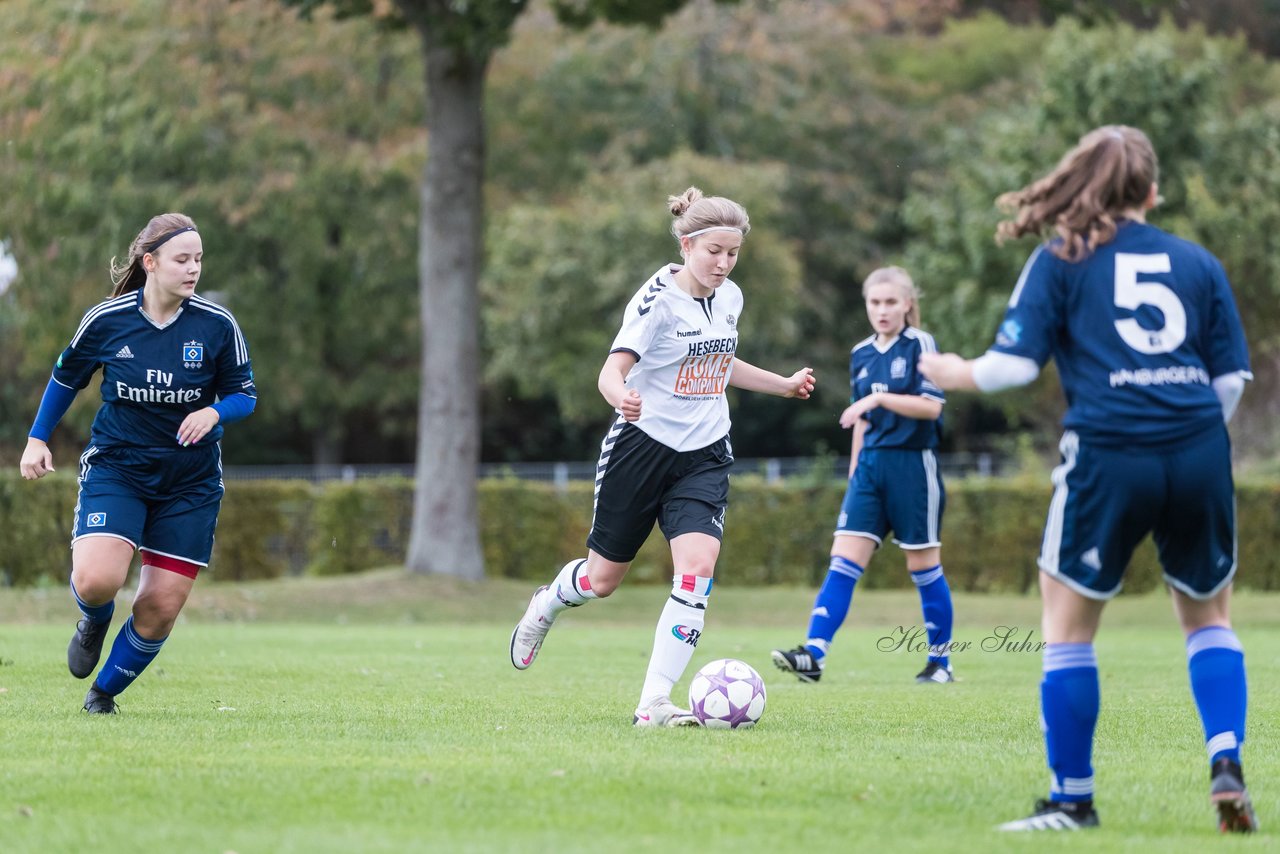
(679, 629)
(571, 588)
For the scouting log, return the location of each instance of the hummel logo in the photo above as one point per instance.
(124, 353)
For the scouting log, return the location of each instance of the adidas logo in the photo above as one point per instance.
(1092, 559)
(124, 353)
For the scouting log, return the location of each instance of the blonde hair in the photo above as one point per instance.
(901, 278)
(130, 275)
(1109, 171)
(695, 213)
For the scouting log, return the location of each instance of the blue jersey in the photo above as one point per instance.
(154, 375)
(1138, 330)
(894, 370)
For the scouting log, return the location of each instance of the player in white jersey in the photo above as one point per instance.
(1149, 347)
(667, 456)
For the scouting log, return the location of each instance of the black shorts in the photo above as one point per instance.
(640, 481)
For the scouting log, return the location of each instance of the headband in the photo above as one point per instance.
(714, 228)
(166, 238)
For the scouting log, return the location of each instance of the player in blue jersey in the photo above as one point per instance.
(894, 483)
(666, 458)
(1148, 344)
(175, 371)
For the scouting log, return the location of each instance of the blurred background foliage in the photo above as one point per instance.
(857, 133)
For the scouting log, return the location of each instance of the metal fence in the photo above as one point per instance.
(560, 473)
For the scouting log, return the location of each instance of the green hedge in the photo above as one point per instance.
(777, 533)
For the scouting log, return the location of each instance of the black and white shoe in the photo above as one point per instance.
(934, 671)
(804, 664)
(99, 702)
(1228, 794)
(1056, 815)
(86, 647)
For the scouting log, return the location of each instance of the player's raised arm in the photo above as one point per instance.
(748, 377)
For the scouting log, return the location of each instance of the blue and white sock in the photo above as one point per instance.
(831, 605)
(94, 613)
(935, 604)
(1215, 661)
(676, 637)
(130, 655)
(1069, 703)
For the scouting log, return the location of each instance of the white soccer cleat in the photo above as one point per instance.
(663, 713)
(529, 633)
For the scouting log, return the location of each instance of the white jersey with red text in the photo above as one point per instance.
(684, 347)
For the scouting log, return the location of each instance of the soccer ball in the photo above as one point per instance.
(727, 694)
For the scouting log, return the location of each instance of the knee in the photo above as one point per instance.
(604, 587)
(93, 587)
(154, 616)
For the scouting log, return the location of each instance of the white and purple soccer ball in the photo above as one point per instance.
(727, 694)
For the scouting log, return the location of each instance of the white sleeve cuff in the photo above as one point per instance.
(998, 371)
(1229, 388)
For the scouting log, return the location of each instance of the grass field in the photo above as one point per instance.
(380, 714)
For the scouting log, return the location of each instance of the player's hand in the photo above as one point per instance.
(800, 384)
(37, 460)
(948, 371)
(858, 409)
(197, 425)
(630, 406)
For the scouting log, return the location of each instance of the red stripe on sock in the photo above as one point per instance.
(584, 581)
(689, 582)
(172, 564)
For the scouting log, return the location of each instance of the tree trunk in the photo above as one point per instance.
(446, 532)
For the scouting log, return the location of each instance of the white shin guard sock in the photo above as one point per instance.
(676, 636)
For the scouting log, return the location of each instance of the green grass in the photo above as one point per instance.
(380, 714)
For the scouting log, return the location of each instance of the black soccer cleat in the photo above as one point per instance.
(99, 702)
(1228, 794)
(804, 664)
(1056, 815)
(934, 671)
(86, 647)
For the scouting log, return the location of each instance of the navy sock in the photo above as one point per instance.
(832, 604)
(130, 655)
(1069, 702)
(1215, 660)
(935, 603)
(94, 613)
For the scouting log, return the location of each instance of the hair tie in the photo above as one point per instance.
(166, 238)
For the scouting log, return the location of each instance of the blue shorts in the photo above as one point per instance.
(163, 500)
(640, 481)
(1107, 499)
(895, 489)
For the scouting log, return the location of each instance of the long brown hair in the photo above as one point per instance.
(130, 275)
(1109, 171)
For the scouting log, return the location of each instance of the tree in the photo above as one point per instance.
(1213, 127)
(295, 158)
(458, 40)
